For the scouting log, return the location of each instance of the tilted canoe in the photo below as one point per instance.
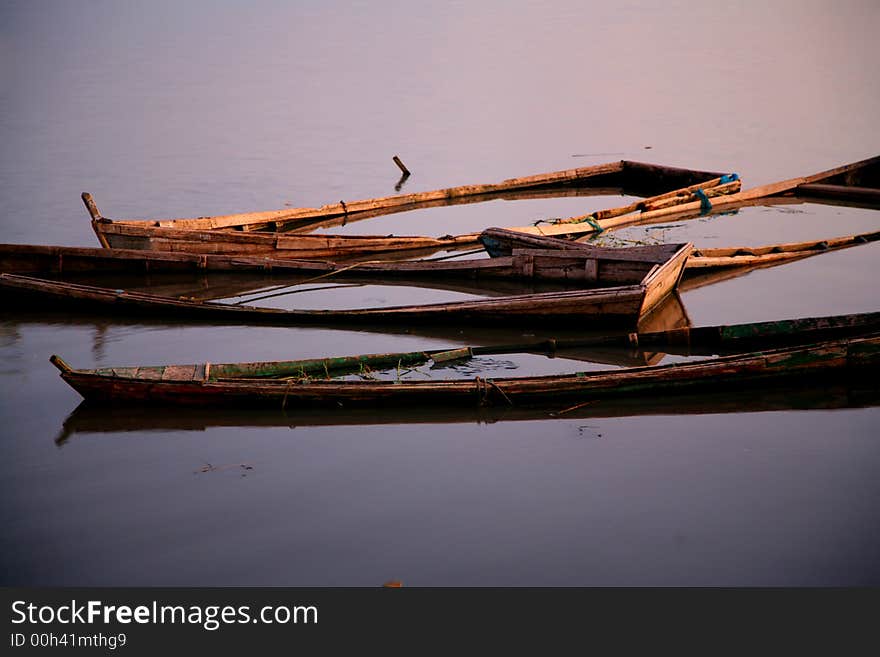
(656, 273)
(229, 384)
(621, 177)
(231, 234)
(213, 235)
(500, 242)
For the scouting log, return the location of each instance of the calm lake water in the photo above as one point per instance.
(167, 109)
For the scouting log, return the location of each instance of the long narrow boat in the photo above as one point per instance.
(688, 341)
(247, 383)
(93, 419)
(624, 176)
(532, 264)
(231, 234)
(638, 283)
(674, 189)
(502, 243)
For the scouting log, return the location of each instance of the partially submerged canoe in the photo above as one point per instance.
(97, 417)
(613, 265)
(861, 178)
(235, 384)
(93, 419)
(621, 177)
(675, 189)
(232, 234)
(654, 273)
(501, 243)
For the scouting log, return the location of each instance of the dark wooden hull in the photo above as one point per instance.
(655, 278)
(615, 306)
(95, 418)
(704, 265)
(186, 385)
(613, 266)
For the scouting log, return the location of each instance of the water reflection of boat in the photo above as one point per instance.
(89, 419)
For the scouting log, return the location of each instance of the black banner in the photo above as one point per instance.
(171, 620)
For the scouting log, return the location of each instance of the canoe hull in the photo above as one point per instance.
(818, 362)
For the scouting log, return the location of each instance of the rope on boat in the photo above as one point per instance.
(482, 388)
(305, 289)
(481, 391)
(286, 391)
(705, 203)
(495, 385)
(729, 178)
(594, 223)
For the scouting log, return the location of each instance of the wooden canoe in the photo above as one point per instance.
(213, 234)
(621, 177)
(500, 242)
(230, 384)
(613, 265)
(856, 181)
(232, 234)
(93, 419)
(655, 273)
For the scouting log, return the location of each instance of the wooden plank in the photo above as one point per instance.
(178, 373)
(350, 208)
(607, 305)
(591, 269)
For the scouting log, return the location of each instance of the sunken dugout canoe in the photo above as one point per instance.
(93, 419)
(501, 243)
(621, 177)
(653, 273)
(229, 384)
(259, 233)
(613, 265)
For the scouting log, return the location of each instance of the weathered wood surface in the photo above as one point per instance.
(802, 364)
(278, 245)
(500, 241)
(90, 420)
(218, 239)
(745, 256)
(155, 234)
(686, 210)
(711, 188)
(707, 340)
(619, 305)
(590, 264)
(613, 173)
